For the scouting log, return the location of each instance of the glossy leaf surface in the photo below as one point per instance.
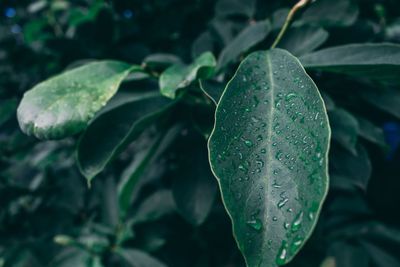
(63, 105)
(379, 62)
(268, 151)
(180, 75)
(112, 131)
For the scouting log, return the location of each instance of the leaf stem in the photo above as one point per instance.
(289, 18)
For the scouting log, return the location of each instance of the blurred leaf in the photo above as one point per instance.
(179, 75)
(386, 99)
(345, 129)
(225, 8)
(154, 207)
(194, 188)
(58, 107)
(256, 159)
(304, 39)
(137, 258)
(203, 43)
(246, 39)
(100, 143)
(161, 61)
(338, 13)
(371, 132)
(350, 170)
(127, 185)
(379, 62)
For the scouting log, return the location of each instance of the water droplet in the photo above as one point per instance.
(296, 244)
(282, 254)
(282, 202)
(256, 224)
(263, 150)
(248, 143)
(296, 225)
(242, 168)
(244, 78)
(275, 218)
(279, 155)
(259, 138)
(290, 96)
(286, 225)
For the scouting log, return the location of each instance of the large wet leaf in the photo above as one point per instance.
(379, 62)
(268, 151)
(112, 131)
(63, 105)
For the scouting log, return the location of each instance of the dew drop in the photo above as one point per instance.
(282, 254)
(296, 225)
(255, 224)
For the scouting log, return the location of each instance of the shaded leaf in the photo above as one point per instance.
(386, 99)
(338, 13)
(7, 109)
(345, 128)
(112, 131)
(268, 151)
(225, 8)
(304, 39)
(379, 62)
(138, 258)
(179, 75)
(246, 39)
(371, 132)
(194, 188)
(63, 105)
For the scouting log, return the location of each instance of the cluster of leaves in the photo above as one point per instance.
(140, 124)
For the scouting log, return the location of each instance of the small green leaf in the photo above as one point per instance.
(63, 105)
(180, 75)
(338, 13)
(380, 62)
(247, 38)
(112, 131)
(225, 8)
(268, 151)
(138, 258)
(345, 129)
(303, 39)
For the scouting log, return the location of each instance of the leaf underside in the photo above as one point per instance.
(268, 151)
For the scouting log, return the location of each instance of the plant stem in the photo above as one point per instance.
(289, 18)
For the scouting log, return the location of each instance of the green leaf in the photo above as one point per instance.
(268, 151)
(180, 75)
(212, 89)
(380, 62)
(138, 258)
(63, 105)
(338, 13)
(246, 39)
(304, 39)
(161, 61)
(345, 129)
(112, 131)
(194, 188)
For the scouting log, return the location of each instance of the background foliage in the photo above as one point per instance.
(175, 217)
